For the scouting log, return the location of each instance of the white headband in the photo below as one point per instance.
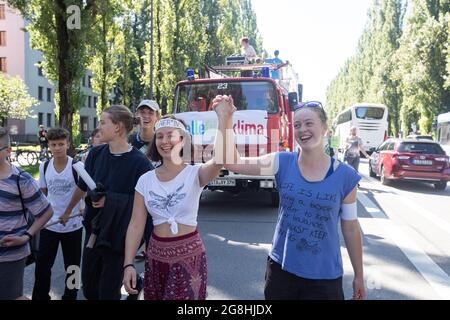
(169, 123)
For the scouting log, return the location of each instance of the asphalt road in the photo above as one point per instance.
(406, 229)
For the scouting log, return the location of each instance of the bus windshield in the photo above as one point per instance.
(369, 113)
(252, 95)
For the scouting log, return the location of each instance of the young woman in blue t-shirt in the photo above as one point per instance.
(316, 193)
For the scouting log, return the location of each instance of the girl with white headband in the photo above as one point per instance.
(175, 266)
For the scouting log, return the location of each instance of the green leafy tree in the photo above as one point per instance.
(422, 63)
(59, 29)
(15, 101)
(105, 46)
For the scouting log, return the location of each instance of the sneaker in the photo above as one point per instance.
(140, 256)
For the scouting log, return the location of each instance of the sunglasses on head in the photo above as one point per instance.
(309, 104)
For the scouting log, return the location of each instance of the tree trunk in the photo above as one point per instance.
(159, 73)
(65, 77)
(104, 96)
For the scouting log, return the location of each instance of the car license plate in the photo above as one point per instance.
(222, 182)
(422, 162)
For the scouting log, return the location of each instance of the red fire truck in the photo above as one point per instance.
(262, 122)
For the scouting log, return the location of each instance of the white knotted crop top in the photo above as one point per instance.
(174, 201)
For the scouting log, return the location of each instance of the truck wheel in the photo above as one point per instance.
(442, 185)
(275, 199)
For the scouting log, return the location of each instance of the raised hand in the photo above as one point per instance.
(223, 106)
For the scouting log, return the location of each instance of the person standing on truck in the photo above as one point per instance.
(316, 193)
(353, 145)
(275, 74)
(175, 267)
(248, 51)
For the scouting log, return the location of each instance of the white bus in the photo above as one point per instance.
(443, 131)
(371, 121)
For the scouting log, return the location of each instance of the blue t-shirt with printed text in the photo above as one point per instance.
(306, 241)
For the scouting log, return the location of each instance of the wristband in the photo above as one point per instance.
(26, 233)
(129, 265)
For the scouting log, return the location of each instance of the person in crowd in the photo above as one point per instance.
(316, 193)
(176, 266)
(58, 180)
(329, 150)
(94, 140)
(43, 142)
(148, 113)
(354, 145)
(117, 166)
(19, 193)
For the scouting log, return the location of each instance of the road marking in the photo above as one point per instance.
(417, 208)
(370, 207)
(432, 273)
(258, 246)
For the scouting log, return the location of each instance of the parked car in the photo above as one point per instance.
(420, 137)
(420, 160)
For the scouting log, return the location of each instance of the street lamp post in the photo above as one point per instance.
(150, 89)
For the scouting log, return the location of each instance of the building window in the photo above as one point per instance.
(84, 123)
(89, 81)
(2, 11)
(49, 94)
(89, 102)
(2, 38)
(49, 119)
(40, 70)
(40, 118)
(95, 102)
(83, 81)
(3, 64)
(95, 123)
(41, 93)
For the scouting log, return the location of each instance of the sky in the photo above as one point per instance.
(316, 36)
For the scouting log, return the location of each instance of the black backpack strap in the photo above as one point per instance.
(21, 197)
(46, 166)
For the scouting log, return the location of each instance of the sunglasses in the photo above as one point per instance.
(309, 104)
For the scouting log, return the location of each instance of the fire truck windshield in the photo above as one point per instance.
(250, 95)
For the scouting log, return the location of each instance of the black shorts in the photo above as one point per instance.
(282, 285)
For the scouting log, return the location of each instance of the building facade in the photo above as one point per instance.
(17, 58)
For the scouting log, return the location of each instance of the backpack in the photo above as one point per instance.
(74, 172)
